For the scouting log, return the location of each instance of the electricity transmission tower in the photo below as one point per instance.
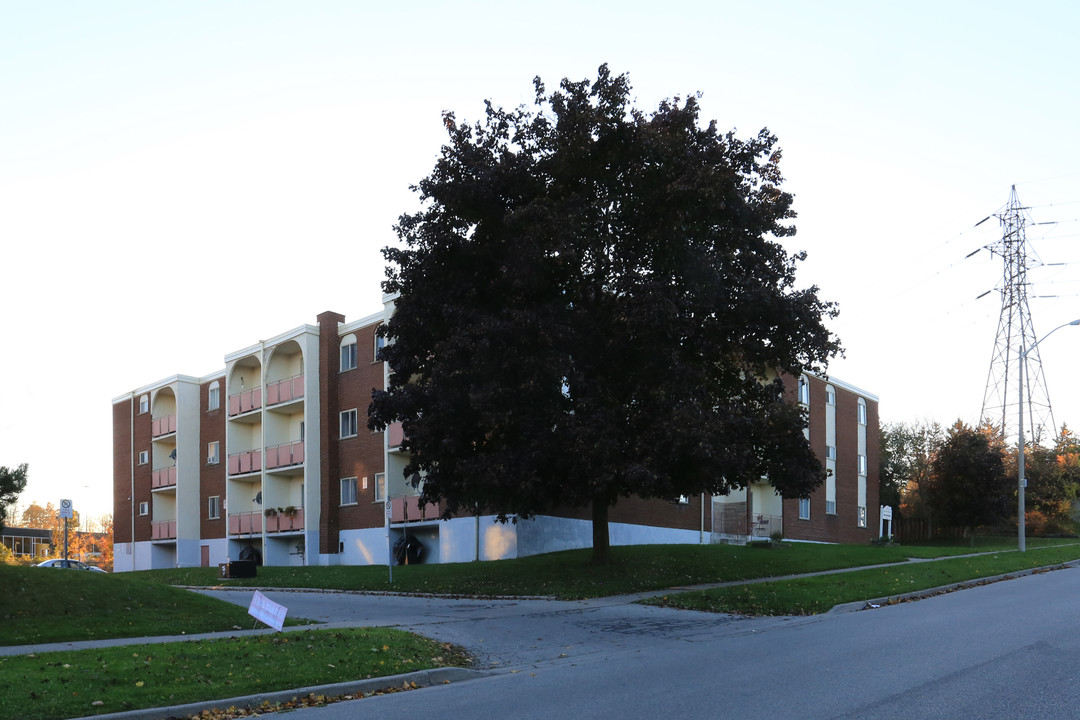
(1015, 336)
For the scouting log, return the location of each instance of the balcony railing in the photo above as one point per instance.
(163, 425)
(282, 522)
(285, 390)
(409, 509)
(164, 477)
(285, 455)
(245, 401)
(163, 530)
(247, 523)
(242, 463)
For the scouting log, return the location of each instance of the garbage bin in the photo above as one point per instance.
(238, 569)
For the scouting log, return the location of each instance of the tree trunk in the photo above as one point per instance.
(601, 544)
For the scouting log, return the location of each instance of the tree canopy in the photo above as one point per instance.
(906, 457)
(593, 303)
(969, 486)
(12, 483)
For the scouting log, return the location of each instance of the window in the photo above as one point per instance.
(804, 390)
(348, 491)
(830, 452)
(830, 397)
(144, 404)
(830, 507)
(213, 507)
(862, 465)
(862, 517)
(862, 411)
(144, 457)
(144, 508)
(348, 352)
(804, 508)
(380, 487)
(380, 342)
(212, 454)
(348, 423)
(213, 396)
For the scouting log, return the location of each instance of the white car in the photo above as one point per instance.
(72, 564)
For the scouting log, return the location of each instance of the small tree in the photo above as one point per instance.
(12, 483)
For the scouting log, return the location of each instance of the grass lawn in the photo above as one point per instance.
(569, 575)
(809, 596)
(41, 605)
(68, 684)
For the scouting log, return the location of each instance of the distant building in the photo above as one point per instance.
(271, 457)
(27, 543)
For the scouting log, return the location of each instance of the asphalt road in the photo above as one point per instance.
(1006, 650)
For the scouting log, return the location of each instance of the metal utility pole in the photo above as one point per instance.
(1015, 334)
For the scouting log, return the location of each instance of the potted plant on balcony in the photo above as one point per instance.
(271, 519)
(288, 511)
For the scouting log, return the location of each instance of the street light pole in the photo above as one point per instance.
(1021, 532)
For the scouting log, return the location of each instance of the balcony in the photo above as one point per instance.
(163, 425)
(248, 523)
(242, 463)
(283, 522)
(409, 509)
(163, 530)
(396, 435)
(285, 455)
(245, 402)
(162, 478)
(283, 391)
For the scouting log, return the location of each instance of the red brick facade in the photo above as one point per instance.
(363, 455)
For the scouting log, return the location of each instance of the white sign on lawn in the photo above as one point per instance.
(266, 610)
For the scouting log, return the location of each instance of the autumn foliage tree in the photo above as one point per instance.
(593, 304)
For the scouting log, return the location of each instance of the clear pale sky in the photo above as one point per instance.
(174, 176)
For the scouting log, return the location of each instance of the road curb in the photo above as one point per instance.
(876, 603)
(420, 678)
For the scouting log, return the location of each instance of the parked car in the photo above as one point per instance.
(71, 564)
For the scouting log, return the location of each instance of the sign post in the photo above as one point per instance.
(389, 550)
(67, 512)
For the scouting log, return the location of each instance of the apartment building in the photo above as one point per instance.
(270, 458)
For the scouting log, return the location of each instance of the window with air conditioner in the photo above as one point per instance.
(348, 352)
(213, 453)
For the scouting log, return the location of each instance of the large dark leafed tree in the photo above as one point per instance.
(592, 305)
